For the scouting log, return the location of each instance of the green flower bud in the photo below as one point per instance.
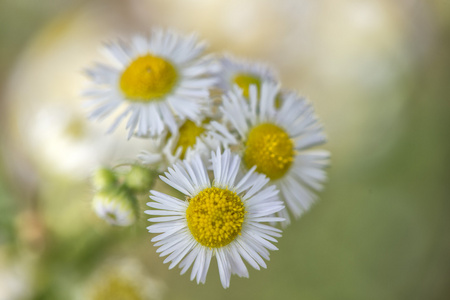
(116, 205)
(103, 178)
(140, 179)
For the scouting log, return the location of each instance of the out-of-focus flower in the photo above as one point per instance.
(278, 142)
(191, 139)
(46, 120)
(122, 280)
(157, 79)
(116, 205)
(223, 218)
(244, 73)
(66, 142)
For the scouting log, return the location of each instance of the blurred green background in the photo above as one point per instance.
(378, 74)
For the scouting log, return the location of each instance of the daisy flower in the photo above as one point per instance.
(244, 73)
(120, 278)
(223, 218)
(278, 142)
(156, 80)
(190, 140)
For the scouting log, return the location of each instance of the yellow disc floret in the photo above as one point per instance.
(215, 216)
(148, 78)
(270, 149)
(188, 132)
(245, 80)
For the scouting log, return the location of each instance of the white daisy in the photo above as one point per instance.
(244, 73)
(120, 278)
(190, 140)
(157, 80)
(278, 142)
(222, 218)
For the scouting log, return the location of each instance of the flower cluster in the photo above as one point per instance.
(223, 133)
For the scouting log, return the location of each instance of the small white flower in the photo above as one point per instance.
(190, 140)
(244, 73)
(121, 278)
(158, 80)
(53, 132)
(222, 218)
(278, 142)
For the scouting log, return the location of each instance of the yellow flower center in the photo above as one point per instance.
(189, 132)
(116, 288)
(245, 80)
(215, 217)
(75, 128)
(270, 149)
(148, 78)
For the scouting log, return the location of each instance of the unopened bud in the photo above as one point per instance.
(103, 178)
(140, 179)
(116, 205)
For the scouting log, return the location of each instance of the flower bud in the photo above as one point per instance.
(140, 179)
(116, 205)
(103, 178)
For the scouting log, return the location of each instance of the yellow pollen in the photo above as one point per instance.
(245, 80)
(215, 217)
(148, 78)
(270, 149)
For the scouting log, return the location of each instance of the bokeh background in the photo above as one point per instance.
(378, 74)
